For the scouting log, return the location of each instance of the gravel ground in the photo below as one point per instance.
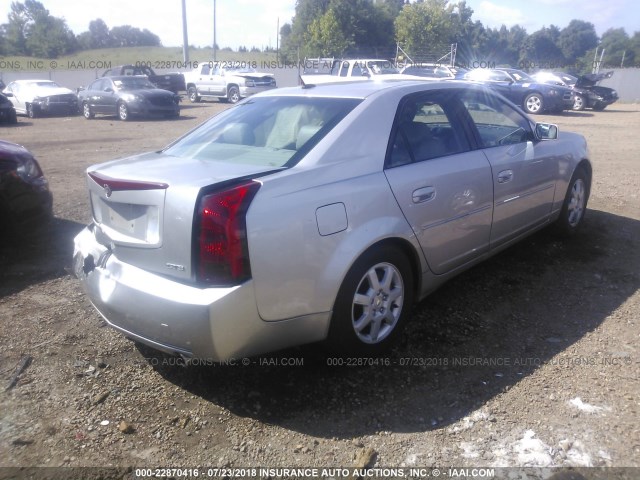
(528, 360)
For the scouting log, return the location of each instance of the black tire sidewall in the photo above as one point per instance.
(342, 338)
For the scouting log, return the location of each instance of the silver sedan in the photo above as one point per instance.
(319, 213)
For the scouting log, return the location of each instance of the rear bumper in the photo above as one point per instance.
(217, 324)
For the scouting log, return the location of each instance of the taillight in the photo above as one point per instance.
(223, 253)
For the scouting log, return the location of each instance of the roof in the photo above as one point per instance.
(363, 89)
(32, 80)
(123, 77)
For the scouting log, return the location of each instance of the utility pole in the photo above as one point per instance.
(214, 31)
(185, 37)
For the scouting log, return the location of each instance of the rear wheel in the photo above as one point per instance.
(372, 303)
(534, 103)
(575, 203)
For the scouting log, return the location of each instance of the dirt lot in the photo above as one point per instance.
(531, 359)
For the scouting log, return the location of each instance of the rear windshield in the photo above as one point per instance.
(266, 131)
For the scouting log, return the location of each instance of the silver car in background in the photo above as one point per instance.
(319, 213)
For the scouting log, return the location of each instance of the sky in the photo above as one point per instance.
(255, 22)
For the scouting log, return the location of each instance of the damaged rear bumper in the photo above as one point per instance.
(217, 324)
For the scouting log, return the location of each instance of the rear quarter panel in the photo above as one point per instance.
(296, 270)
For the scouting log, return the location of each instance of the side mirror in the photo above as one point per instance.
(546, 131)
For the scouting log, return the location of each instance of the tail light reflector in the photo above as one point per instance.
(222, 249)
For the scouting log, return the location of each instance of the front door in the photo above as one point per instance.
(444, 188)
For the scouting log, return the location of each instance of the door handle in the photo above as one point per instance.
(505, 176)
(424, 194)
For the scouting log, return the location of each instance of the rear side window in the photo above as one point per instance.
(425, 129)
(497, 123)
(267, 131)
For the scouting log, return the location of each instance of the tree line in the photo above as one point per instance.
(32, 31)
(425, 30)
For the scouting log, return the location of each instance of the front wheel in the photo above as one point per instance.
(193, 95)
(534, 103)
(372, 303)
(575, 203)
(87, 112)
(123, 112)
(31, 113)
(233, 95)
(579, 103)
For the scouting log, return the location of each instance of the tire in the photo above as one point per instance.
(12, 119)
(87, 112)
(533, 103)
(233, 95)
(579, 102)
(599, 107)
(123, 112)
(575, 203)
(367, 315)
(193, 95)
(31, 113)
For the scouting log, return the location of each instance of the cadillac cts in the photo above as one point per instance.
(319, 213)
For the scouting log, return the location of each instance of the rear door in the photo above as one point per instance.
(523, 170)
(217, 84)
(204, 79)
(444, 188)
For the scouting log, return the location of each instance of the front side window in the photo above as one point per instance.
(497, 123)
(97, 85)
(425, 129)
(267, 131)
(132, 83)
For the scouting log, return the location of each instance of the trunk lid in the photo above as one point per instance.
(143, 206)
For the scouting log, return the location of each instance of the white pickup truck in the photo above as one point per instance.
(215, 80)
(319, 71)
